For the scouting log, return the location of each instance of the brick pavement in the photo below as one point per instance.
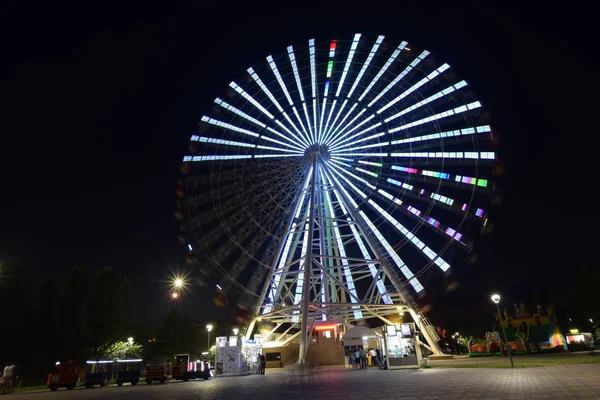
(579, 381)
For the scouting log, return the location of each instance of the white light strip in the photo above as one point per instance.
(279, 149)
(341, 134)
(348, 62)
(366, 146)
(467, 154)
(330, 114)
(457, 132)
(204, 139)
(342, 252)
(264, 88)
(315, 119)
(313, 80)
(366, 64)
(292, 57)
(408, 68)
(333, 125)
(286, 248)
(339, 146)
(277, 155)
(281, 135)
(341, 163)
(242, 114)
(362, 154)
(323, 107)
(215, 158)
(255, 103)
(300, 280)
(313, 138)
(225, 125)
(280, 142)
(383, 69)
(358, 178)
(366, 255)
(278, 77)
(338, 126)
(428, 100)
(448, 113)
(301, 124)
(414, 87)
(439, 261)
(287, 96)
(352, 185)
(395, 257)
(407, 273)
(401, 184)
(285, 128)
(343, 159)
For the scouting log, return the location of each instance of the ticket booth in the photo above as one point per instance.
(401, 346)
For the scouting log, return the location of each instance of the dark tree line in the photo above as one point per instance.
(65, 318)
(79, 317)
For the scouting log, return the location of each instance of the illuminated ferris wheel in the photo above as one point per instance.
(326, 182)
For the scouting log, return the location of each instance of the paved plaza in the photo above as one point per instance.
(578, 381)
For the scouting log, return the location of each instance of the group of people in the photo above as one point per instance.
(363, 359)
(8, 379)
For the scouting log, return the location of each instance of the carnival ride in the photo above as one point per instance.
(329, 183)
(526, 333)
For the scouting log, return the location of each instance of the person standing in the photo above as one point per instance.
(363, 359)
(263, 363)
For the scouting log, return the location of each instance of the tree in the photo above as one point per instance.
(73, 304)
(107, 312)
(18, 310)
(120, 351)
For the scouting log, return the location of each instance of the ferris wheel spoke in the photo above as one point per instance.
(354, 85)
(438, 116)
(429, 78)
(433, 199)
(398, 78)
(372, 268)
(386, 245)
(342, 251)
(430, 99)
(382, 71)
(464, 132)
(434, 257)
(313, 84)
(266, 90)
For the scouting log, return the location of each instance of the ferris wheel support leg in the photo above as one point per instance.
(432, 343)
(308, 266)
(322, 243)
(285, 237)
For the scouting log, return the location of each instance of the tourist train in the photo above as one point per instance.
(104, 372)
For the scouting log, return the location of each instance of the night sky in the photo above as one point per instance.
(97, 105)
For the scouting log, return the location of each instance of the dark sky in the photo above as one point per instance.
(97, 105)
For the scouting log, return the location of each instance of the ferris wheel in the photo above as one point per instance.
(329, 180)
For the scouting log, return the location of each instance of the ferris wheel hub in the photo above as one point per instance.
(318, 150)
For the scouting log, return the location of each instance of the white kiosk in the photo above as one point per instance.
(402, 349)
(236, 356)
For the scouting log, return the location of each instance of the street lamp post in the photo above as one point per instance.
(496, 299)
(209, 328)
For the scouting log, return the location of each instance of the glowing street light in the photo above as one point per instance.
(130, 340)
(178, 283)
(209, 328)
(174, 295)
(236, 331)
(496, 299)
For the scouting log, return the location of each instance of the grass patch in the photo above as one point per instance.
(31, 387)
(525, 363)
